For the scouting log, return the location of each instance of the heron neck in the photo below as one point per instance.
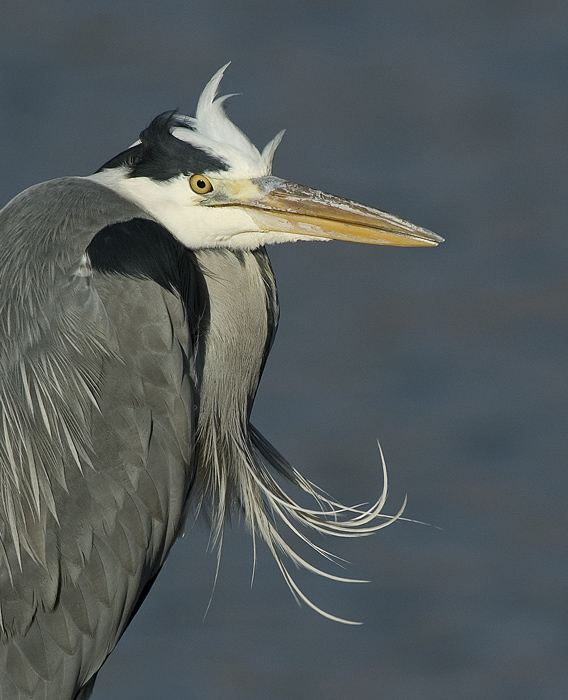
(243, 313)
(242, 321)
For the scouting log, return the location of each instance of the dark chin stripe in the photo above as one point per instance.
(143, 249)
(161, 156)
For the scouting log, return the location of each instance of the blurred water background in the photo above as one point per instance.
(454, 115)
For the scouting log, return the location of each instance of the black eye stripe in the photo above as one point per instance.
(162, 156)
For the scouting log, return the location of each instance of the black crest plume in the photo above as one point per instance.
(161, 156)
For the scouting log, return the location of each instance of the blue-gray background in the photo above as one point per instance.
(453, 114)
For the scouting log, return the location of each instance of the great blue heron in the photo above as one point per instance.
(138, 307)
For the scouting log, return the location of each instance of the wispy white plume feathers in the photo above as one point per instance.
(213, 131)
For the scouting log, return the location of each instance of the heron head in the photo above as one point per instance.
(205, 181)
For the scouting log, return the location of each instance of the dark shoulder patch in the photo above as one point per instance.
(144, 249)
(161, 156)
(137, 248)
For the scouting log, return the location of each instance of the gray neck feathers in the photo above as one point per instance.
(237, 333)
(242, 309)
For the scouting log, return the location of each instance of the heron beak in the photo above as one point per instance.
(301, 211)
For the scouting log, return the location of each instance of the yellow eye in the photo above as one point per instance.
(200, 184)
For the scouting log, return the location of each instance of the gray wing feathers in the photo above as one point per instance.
(94, 369)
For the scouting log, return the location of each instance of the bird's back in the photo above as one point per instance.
(97, 424)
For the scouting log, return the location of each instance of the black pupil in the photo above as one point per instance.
(201, 184)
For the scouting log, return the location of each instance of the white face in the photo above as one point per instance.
(217, 219)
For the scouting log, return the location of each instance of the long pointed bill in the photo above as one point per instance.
(301, 211)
